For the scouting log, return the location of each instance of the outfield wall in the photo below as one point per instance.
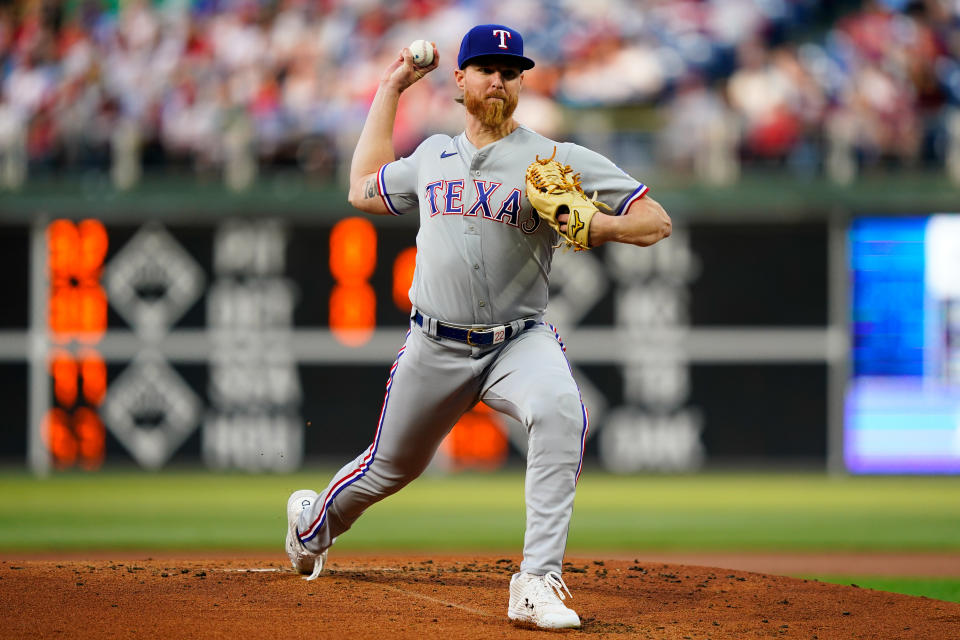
(261, 342)
(190, 324)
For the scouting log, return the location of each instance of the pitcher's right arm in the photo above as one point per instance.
(375, 146)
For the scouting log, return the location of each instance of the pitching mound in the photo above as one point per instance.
(438, 597)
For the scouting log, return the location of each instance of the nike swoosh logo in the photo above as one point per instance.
(444, 154)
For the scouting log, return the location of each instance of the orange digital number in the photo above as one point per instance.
(80, 439)
(77, 307)
(63, 243)
(60, 439)
(93, 371)
(91, 438)
(403, 268)
(78, 304)
(353, 250)
(92, 249)
(353, 313)
(63, 368)
(353, 258)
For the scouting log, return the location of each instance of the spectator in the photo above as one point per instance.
(883, 77)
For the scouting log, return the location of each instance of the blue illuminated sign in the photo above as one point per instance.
(903, 402)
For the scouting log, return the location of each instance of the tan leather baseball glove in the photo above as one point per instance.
(554, 189)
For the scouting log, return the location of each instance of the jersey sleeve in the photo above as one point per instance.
(397, 184)
(614, 187)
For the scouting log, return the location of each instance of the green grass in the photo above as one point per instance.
(473, 512)
(199, 510)
(937, 588)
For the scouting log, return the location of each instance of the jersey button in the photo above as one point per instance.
(476, 173)
(482, 303)
(476, 266)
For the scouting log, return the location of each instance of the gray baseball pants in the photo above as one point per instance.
(433, 383)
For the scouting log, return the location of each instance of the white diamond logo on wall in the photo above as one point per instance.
(152, 281)
(577, 283)
(151, 410)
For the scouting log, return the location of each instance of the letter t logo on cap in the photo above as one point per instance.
(504, 34)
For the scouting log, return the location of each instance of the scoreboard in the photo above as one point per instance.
(205, 333)
(262, 343)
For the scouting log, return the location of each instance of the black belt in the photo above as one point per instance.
(475, 337)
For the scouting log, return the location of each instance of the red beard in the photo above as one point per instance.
(490, 113)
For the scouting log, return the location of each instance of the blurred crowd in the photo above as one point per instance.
(707, 86)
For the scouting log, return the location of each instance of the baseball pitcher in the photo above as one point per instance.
(494, 202)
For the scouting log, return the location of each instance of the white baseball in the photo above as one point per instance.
(422, 52)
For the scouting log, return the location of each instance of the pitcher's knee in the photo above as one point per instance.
(556, 425)
(557, 409)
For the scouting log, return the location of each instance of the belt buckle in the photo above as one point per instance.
(499, 335)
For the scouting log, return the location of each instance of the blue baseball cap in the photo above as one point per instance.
(493, 40)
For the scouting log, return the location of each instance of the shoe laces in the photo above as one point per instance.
(317, 566)
(320, 559)
(551, 587)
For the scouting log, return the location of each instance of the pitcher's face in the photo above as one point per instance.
(491, 89)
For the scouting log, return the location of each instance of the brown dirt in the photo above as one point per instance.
(369, 596)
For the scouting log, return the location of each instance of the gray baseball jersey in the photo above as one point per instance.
(483, 254)
(483, 258)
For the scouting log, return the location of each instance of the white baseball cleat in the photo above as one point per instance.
(303, 560)
(539, 599)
